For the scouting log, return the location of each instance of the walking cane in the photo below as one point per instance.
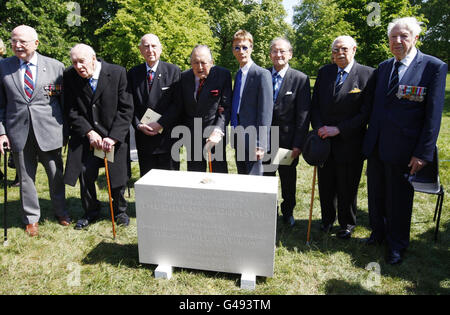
(311, 205)
(5, 201)
(209, 161)
(110, 198)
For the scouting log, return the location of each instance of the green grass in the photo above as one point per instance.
(64, 261)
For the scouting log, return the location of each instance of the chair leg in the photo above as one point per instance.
(440, 202)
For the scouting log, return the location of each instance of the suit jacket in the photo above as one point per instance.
(348, 110)
(44, 110)
(256, 107)
(404, 127)
(291, 109)
(108, 111)
(216, 91)
(161, 99)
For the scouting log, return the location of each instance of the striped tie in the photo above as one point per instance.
(28, 82)
(150, 77)
(339, 82)
(393, 84)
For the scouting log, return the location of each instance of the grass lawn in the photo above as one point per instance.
(64, 261)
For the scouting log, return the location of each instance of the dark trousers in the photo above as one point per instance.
(288, 179)
(391, 198)
(161, 161)
(218, 166)
(88, 191)
(338, 190)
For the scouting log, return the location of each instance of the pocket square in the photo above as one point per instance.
(214, 92)
(165, 88)
(288, 93)
(355, 90)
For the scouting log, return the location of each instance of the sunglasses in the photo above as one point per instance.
(239, 48)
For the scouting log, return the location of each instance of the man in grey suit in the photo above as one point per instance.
(31, 122)
(251, 109)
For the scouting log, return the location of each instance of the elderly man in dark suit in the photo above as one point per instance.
(205, 95)
(292, 102)
(100, 113)
(340, 110)
(402, 133)
(252, 107)
(31, 122)
(153, 85)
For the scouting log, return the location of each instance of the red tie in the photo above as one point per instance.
(150, 76)
(200, 86)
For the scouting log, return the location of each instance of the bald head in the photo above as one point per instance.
(24, 42)
(150, 48)
(83, 60)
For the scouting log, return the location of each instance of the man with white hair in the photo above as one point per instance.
(340, 110)
(402, 133)
(99, 113)
(152, 84)
(31, 122)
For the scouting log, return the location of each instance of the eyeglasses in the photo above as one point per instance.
(239, 48)
(276, 52)
(21, 42)
(343, 49)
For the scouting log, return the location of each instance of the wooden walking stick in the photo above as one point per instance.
(311, 205)
(5, 200)
(209, 161)
(110, 198)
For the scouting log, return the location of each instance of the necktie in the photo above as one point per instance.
(28, 81)
(150, 77)
(276, 85)
(93, 84)
(199, 89)
(393, 83)
(236, 99)
(339, 82)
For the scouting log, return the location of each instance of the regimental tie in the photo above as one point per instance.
(28, 81)
(276, 77)
(199, 89)
(393, 83)
(339, 82)
(150, 77)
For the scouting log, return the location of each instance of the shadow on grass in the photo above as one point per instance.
(114, 254)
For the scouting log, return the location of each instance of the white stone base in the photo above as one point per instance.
(248, 281)
(163, 272)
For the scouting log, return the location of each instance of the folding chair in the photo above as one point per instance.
(427, 181)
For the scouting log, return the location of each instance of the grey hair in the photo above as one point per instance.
(283, 39)
(150, 35)
(29, 29)
(344, 38)
(201, 47)
(84, 47)
(410, 23)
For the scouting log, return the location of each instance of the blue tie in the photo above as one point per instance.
(93, 84)
(339, 81)
(276, 86)
(236, 99)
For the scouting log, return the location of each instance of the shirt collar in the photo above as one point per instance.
(409, 57)
(98, 67)
(33, 60)
(282, 72)
(349, 67)
(246, 68)
(155, 66)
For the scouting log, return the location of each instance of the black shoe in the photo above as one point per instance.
(84, 222)
(123, 219)
(326, 228)
(344, 234)
(290, 221)
(394, 256)
(370, 241)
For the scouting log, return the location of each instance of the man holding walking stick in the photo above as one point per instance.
(99, 112)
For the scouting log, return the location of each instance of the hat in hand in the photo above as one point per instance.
(316, 150)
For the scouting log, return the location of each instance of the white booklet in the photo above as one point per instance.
(151, 116)
(101, 154)
(283, 157)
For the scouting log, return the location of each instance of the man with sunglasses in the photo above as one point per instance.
(252, 107)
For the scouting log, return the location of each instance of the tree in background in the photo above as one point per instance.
(179, 24)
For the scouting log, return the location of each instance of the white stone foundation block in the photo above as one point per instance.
(207, 221)
(163, 272)
(248, 281)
